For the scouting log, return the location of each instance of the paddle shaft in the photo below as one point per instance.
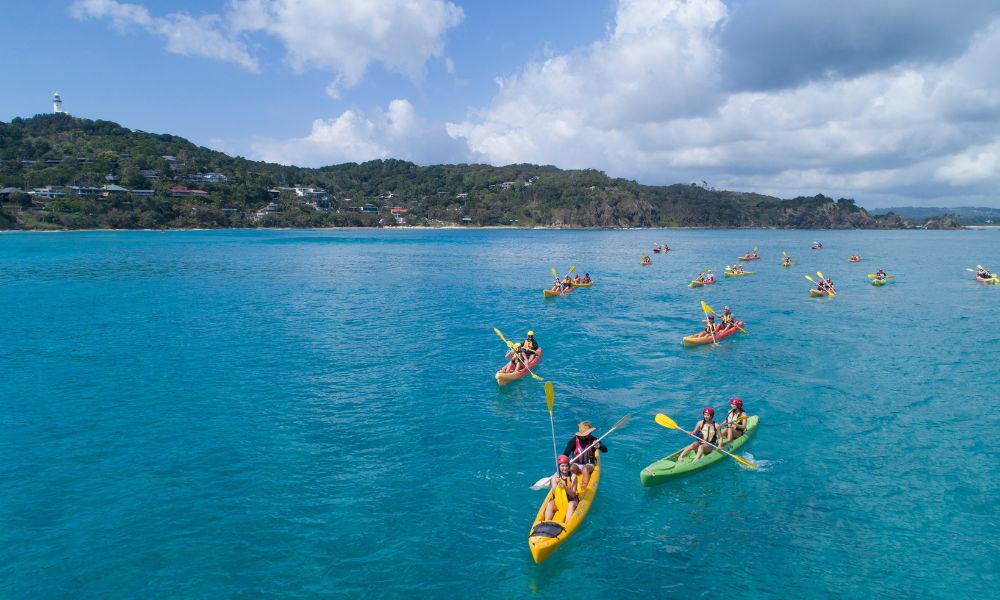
(711, 444)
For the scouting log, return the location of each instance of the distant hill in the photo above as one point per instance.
(966, 215)
(61, 172)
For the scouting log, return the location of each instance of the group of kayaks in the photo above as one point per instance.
(568, 285)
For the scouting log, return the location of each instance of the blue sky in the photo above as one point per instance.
(891, 103)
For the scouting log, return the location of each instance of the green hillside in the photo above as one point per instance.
(61, 172)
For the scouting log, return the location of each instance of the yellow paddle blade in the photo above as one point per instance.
(970, 270)
(744, 462)
(810, 279)
(534, 376)
(821, 276)
(550, 395)
(706, 308)
(871, 276)
(562, 502)
(571, 269)
(666, 421)
(500, 334)
(554, 274)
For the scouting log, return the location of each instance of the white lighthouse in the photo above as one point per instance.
(56, 103)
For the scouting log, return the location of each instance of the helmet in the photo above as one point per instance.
(709, 410)
(531, 333)
(517, 346)
(711, 317)
(736, 402)
(725, 308)
(562, 460)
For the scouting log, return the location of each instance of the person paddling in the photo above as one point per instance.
(727, 318)
(557, 286)
(984, 273)
(567, 283)
(529, 346)
(787, 262)
(710, 324)
(736, 421)
(563, 478)
(708, 433)
(576, 278)
(588, 460)
(586, 278)
(646, 260)
(880, 274)
(829, 285)
(517, 360)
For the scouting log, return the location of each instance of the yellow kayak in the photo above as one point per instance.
(583, 284)
(731, 274)
(546, 536)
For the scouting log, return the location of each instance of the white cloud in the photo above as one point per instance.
(648, 102)
(204, 36)
(355, 136)
(341, 36)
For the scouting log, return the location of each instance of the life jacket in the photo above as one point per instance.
(735, 419)
(708, 432)
(567, 484)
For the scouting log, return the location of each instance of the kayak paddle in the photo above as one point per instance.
(708, 309)
(669, 423)
(550, 398)
(832, 292)
(511, 346)
(622, 422)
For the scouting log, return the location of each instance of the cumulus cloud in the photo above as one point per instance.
(205, 36)
(656, 101)
(357, 136)
(340, 36)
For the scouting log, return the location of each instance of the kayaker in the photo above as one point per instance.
(576, 278)
(787, 262)
(563, 478)
(567, 283)
(829, 285)
(586, 278)
(588, 459)
(736, 421)
(646, 260)
(708, 433)
(710, 324)
(709, 277)
(557, 286)
(529, 345)
(517, 360)
(727, 318)
(984, 273)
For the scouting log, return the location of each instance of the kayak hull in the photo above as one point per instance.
(704, 338)
(854, 261)
(817, 293)
(701, 283)
(992, 281)
(668, 468)
(545, 537)
(550, 293)
(749, 258)
(576, 285)
(505, 378)
(738, 274)
(879, 282)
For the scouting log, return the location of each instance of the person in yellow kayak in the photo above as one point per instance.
(787, 262)
(646, 260)
(829, 285)
(576, 278)
(709, 276)
(586, 278)
(563, 478)
(736, 421)
(529, 346)
(707, 432)
(737, 270)
(567, 283)
(587, 460)
(557, 286)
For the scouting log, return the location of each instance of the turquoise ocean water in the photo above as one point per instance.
(313, 413)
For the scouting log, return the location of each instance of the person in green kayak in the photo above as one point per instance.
(708, 433)
(564, 478)
(576, 446)
(736, 421)
(529, 346)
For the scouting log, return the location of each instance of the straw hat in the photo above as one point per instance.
(584, 428)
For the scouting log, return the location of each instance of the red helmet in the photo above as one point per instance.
(709, 410)
(736, 402)
(711, 317)
(562, 460)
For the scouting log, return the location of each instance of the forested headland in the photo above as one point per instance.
(62, 172)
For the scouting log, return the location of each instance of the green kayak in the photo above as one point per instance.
(667, 468)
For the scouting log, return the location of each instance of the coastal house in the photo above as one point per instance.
(85, 191)
(462, 195)
(507, 185)
(48, 193)
(113, 190)
(399, 210)
(213, 177)
(7, 191)
(179, 191)
(151, 174)
(387, 196)
(143, 192)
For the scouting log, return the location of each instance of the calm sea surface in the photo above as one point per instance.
(313, 413)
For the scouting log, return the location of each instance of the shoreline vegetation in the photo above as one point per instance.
(60, 173)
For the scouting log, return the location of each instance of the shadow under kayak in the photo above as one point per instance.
(668, 467)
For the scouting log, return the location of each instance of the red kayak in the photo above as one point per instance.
(749, 258)
(706, 338)
(505, 377)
